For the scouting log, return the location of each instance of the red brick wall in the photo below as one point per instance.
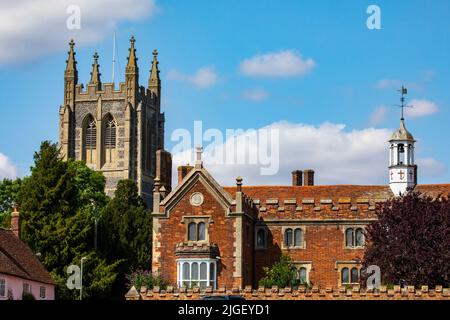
(324, 246)
(221, 232)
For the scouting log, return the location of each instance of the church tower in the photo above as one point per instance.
(118, 131)
(402, 170)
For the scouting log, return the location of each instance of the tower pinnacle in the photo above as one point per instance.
(154, 82)
(71, 64)
(95, 74)
(132, 60)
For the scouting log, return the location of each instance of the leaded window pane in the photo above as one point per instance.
(192, 231)
(110, 133)
(194, 271)
(186, 271)
(91, 134)
(288, 237)
(355, 275)
(201, 231)
(298, 237)
(203, 271)
(349, 237)
(359, 237)
(261, 238)
(302, 275)
(344, 275)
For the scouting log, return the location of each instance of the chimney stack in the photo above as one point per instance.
(164, 168)
(308, 177)
(297, 176)
(183, 171)
(15, 221)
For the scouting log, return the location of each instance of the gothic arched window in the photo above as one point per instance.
(201, 231)
(90, 140)
(109, 139)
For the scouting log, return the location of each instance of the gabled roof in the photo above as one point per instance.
(333, 192)
(197, 174)
(17, 259)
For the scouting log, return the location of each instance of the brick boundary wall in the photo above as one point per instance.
(275, 293)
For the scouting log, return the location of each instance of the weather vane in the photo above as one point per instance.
(404, 92)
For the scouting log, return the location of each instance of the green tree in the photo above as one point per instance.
(125, 232)
(9, 190)
(282, 273)
(57, 220)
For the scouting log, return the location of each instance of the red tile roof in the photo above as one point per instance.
(17, 259)
(333, 192)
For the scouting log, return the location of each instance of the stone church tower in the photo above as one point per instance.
(119, 132)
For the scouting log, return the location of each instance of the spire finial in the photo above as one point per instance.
(132, 60)
(71, 64)
(95, 74)
(404, 92)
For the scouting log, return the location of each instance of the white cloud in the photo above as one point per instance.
(7, 168)
(389, 84)
(421, 108)
(378, 115)
(31, 29)
(203, 78)
(277, 64)
(430, 167)
(255, 95)
(337, 155)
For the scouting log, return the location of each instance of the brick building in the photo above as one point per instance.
(209, 235)
(114, 130)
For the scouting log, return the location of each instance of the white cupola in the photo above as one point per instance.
(402, 169)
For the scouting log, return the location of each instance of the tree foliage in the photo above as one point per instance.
(410, 241)
(9, 190)
(57, 219)
(282, 273)
(125, 231)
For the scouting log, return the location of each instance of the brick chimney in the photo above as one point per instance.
(297, 176)
(164, 168)
(15, 221)
(308, 179)
(183, 171)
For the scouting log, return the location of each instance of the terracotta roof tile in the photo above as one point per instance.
(17, 259)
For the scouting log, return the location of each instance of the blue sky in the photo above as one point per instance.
(353, 78)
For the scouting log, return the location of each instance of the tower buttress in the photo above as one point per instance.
(132, 75)
(67, 110)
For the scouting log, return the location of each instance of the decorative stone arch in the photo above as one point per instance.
(89, 139)
(109, 139)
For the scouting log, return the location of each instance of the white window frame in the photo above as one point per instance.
(2, 287)
(42, 292)
(181, 282)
